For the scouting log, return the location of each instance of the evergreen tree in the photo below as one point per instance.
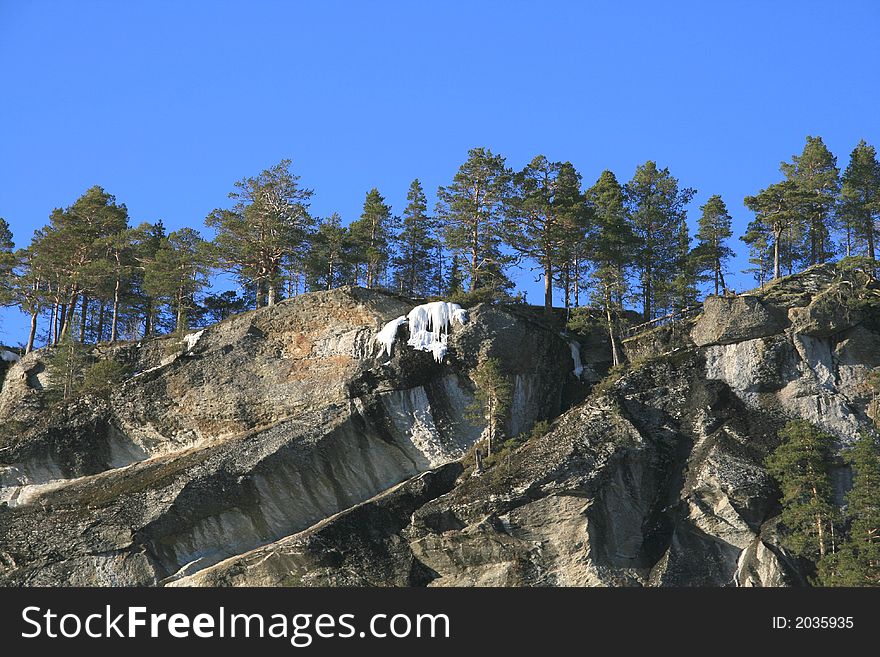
(546, 216)
(470, 211)
(329, 261)
(372, 236)
(71, 248)
(146, 240)
(179, 271)
(493, 397)
(28, 292)
(414, 267)
(800, 465)
(65, 364)
(815, 175)
(857, 563)
(119, 259)
(7, 263)
(454, 284)
(682, 290)
(612, 246)
(712, 252)
(776, 214)
(860, 198)
(219, 306)
(760, 242)
(268, 223)
(657, 209)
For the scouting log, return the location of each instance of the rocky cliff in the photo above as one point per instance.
(283, 447)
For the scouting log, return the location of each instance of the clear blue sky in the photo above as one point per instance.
(166, 104)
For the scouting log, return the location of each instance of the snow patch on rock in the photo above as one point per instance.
(9, 356)
(192, 339)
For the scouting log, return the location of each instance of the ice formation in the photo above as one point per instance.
(576, 357)
(388, 334)
(428, 328)
(9, 356)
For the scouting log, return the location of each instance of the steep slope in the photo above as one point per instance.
(243, 433)
(283, 447)
(656, 479)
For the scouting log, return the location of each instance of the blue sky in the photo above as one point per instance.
(166, 104)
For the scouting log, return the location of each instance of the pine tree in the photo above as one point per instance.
(470, 211)
(147, 238)
(28, 290)
(712, 252)
(657, 207)
(66, 364)
(415, 265)
(815, 175)
(857, 563)
(860, 198)
(493, 397)
(612, 246)
(454, 284)
(268, 223)
(329, 261)
(372, 236)
(863, 507)
(682, 290)
(759, 239)
(800, 465)
(71, 248)
(221, 305)
(179, 271)
(775, 211)
(7, 263)
(546, 216)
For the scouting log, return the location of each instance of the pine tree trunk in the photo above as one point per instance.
(548, 286)
(32, 334)
(271, 294)
(776, 236)
(615, 355)
(820, 526)
(53, 325)
(567, 287)
(148, 318)
(101, 312)
(181, 324)
(474, 246)
(114, 322)
(83, 313)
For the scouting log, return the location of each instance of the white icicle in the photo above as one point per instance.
(429, 326)
(388, 335)
(576, 357)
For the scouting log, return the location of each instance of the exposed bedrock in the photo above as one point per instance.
(286, 447)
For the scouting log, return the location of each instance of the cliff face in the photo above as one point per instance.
(280, 447)
(246, 432)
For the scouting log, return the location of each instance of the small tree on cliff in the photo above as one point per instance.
(492, 399)
(800, 465)
(857, 563)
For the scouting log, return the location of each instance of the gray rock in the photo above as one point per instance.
(726, 320)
